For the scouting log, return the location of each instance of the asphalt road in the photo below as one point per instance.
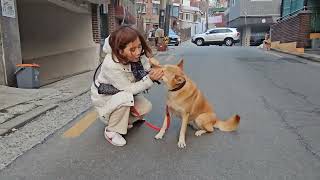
(276, 95)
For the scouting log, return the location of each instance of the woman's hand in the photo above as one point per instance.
(156, 74)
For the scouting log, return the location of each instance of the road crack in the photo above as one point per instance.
(301, 139)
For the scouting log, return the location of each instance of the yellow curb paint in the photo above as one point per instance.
(81, 126)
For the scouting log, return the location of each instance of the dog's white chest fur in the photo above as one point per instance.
(175, 109)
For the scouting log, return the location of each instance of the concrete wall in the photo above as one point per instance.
(60, 40)
(258, 7)
(254, 8)
(234, 10)
(10, 48)
(245, 36)
(2, 70)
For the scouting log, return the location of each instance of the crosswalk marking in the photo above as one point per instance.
(81, 126)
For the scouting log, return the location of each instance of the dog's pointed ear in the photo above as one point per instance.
(180, 64)
(154, 63)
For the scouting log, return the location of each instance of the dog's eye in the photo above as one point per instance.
(179, 79)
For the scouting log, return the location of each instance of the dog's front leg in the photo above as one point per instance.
(182, 136)
(163, 128)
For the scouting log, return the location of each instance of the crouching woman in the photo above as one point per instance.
(126, 68)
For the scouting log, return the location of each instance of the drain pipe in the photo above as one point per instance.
(124, 15)
(3, 60)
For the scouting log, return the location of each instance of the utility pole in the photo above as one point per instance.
(167, 19)
(207, 16)
(204, 7)
(162, 13)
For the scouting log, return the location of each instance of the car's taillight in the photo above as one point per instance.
(238, 34)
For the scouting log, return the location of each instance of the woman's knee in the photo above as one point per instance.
(145, 108)
(148, 107)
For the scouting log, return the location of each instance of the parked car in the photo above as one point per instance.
(217, 36)
(174, 38)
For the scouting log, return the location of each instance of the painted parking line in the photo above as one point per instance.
(77, 129)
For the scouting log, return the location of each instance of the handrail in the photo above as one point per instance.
(296, 12)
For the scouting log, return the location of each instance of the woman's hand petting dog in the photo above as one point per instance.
(156, 74)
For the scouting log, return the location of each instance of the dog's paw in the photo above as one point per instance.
(200, 132)
(182, 144)
(159, 135)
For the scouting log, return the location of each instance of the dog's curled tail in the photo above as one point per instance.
(230, 124)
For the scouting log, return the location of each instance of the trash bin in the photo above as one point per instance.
(27, 76)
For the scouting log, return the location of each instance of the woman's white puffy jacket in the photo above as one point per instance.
(121, 77)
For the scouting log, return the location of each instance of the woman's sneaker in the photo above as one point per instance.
(114, 138)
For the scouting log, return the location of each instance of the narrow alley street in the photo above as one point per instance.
(276, 95)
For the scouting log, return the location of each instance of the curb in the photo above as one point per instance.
(311, 58)
(304, 56)
(75, 95)
(21, 120)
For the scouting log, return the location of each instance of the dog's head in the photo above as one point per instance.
(173, 74)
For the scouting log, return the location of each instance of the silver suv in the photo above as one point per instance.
(217, 36)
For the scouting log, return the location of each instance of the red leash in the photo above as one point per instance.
(135, 113)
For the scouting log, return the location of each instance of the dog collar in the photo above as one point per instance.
(179, 87)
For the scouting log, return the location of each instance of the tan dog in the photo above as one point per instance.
(186, 101)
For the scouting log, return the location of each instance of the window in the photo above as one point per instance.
(155, 9)
(188, 17)
(233, 2)
(195, 18)
(213, 31)
(224, 31)
(175, 11)
(141, 8)
(290, 6)
(220, 31)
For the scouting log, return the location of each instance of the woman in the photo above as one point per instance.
(267, 42)
(120, 69)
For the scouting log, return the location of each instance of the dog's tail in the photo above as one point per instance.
(230, 124)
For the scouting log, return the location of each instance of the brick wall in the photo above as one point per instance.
(185, 34)
(113, 22)
(95, 23)
(294, 29)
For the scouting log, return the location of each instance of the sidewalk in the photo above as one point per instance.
(306, 55)
(19, 106)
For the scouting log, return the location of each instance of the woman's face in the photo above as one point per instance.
(133, 50)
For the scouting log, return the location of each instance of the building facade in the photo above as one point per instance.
(63, 36)
(190, 17)
(252, 17)
(149, 11)
(299, 25)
